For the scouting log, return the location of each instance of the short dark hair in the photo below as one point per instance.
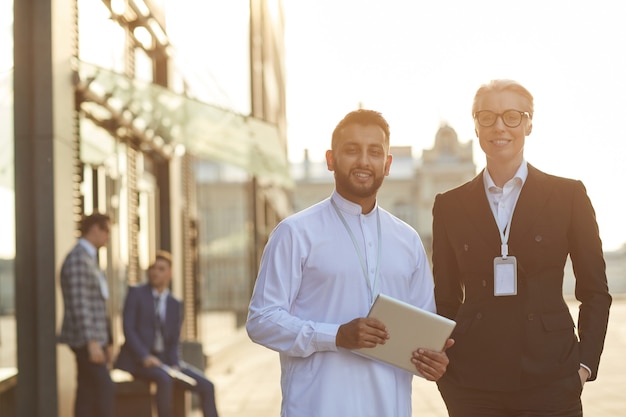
(362, 117)
(164, 256)
(102, 220)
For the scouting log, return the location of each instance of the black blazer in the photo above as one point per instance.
(512, 342)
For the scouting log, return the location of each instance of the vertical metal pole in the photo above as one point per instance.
(44, 43)
(34, 189)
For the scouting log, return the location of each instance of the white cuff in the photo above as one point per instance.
(588, 370)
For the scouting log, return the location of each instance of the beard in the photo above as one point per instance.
(345, 183)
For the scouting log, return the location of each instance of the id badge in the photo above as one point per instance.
(504, 276)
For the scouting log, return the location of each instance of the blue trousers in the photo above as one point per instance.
(95, 392)
(165, 389)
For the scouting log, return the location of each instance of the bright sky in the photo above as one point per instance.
(420, 63)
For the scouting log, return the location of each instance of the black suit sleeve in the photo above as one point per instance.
(448, 288)
(591, 283)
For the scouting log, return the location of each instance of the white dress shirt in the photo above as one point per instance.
(310, 282)
(160, 299)
(503, 199)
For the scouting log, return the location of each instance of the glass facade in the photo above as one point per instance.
(224, 229)
(117, 176)
(164, 119)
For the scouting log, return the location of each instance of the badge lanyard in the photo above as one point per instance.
(373, 288)
(505, 266)
(504, 236)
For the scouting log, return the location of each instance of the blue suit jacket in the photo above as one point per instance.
(139, 329)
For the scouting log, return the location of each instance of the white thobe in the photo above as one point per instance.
(310, 282)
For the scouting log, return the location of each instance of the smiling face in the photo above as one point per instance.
(503, 145)
(360, 161)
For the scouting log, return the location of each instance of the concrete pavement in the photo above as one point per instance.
(247, 377)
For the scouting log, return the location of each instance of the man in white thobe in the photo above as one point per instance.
(319, 274)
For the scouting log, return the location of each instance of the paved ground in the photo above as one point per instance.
(247, 377)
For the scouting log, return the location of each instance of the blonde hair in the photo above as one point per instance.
(503, 85)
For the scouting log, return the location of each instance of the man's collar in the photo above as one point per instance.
(89, 247)
(348, 206)
(156, 293)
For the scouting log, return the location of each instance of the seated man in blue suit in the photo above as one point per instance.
(152, 323)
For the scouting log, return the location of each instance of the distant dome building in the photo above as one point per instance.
(448, 147)
(448, 164)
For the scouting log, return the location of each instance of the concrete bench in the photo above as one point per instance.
(8, 384)
(134, 398)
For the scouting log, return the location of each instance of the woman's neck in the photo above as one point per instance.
(501, 173)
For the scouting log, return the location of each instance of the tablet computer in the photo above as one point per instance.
(409, 328)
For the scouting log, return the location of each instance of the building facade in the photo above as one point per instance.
(107, 118)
